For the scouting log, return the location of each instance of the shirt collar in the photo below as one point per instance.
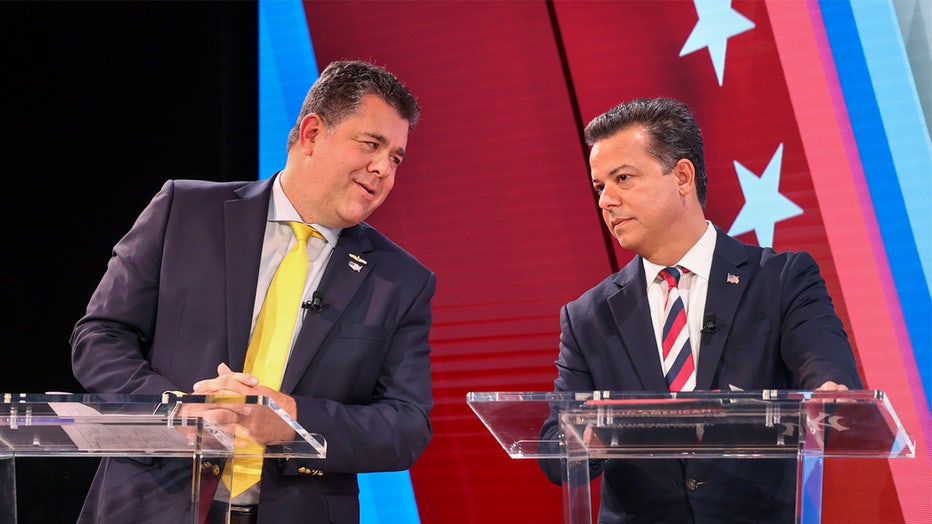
(698, 259)
(282, 210)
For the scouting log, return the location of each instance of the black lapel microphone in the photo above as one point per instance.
(709, 324)
(315, 304)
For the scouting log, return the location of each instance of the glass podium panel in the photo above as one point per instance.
(203, 434)
(805, 425)
(8, 485)
(745, 424)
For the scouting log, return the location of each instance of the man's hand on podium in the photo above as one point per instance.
(832, 386)
(261, 425)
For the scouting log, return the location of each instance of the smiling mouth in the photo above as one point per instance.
(368, 189)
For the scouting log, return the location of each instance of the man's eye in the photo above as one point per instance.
(598, 189)
(396, 160)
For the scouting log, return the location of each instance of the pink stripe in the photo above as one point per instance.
(837, 178)
(683, 375)
(675, 330)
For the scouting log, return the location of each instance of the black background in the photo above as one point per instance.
(101, 103)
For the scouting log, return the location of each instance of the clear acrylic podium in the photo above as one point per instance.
(806, 425)
(207, 431)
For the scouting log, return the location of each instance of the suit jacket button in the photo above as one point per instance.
(692, 484)
(210, 467)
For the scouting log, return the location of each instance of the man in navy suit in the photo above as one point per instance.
(774, 323)
(181, 295)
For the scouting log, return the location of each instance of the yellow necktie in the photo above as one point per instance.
(271, 340)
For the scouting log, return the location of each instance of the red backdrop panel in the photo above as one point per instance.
(495, 194)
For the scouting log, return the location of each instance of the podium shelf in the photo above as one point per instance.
(747, 424)
(151, 425)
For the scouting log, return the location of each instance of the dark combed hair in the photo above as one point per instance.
(671, 126)
(339, 90)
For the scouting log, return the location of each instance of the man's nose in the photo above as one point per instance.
(607, 199)
(382, 166)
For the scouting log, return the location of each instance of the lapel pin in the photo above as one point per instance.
(732, 279)
(358, 258)
(355, 267)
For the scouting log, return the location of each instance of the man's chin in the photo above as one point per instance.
(354, 218)
(626, 243)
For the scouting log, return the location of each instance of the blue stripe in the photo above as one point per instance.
(387, 498)
(287, 68)
(898, 101)
(675, 311)
(887, 177)
(678, 363)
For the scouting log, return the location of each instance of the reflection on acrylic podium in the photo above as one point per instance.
(202, 435)
(805, 425)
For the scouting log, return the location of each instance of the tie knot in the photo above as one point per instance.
(671, 275)
(303, 231)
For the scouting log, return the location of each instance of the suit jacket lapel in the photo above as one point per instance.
(244, 229)
(340, 282)
(632, 313)
(728, 279)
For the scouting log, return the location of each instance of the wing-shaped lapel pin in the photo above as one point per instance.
(357, 262)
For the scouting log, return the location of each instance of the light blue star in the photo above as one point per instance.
(717, 23)
(764, 206)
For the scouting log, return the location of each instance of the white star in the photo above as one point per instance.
(764, 206)
(717, 23)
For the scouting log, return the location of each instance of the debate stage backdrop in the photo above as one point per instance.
(815, 116)
(815, 140)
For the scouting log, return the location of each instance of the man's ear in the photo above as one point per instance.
(312, 127)
(685, 173)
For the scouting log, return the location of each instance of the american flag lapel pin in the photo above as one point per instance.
(732, 279)
(356, 262)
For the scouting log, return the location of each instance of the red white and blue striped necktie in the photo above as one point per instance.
(678, 364)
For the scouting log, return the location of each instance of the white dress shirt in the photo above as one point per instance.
(693, 288)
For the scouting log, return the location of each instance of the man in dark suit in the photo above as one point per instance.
(774, 323)
(178, 305)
